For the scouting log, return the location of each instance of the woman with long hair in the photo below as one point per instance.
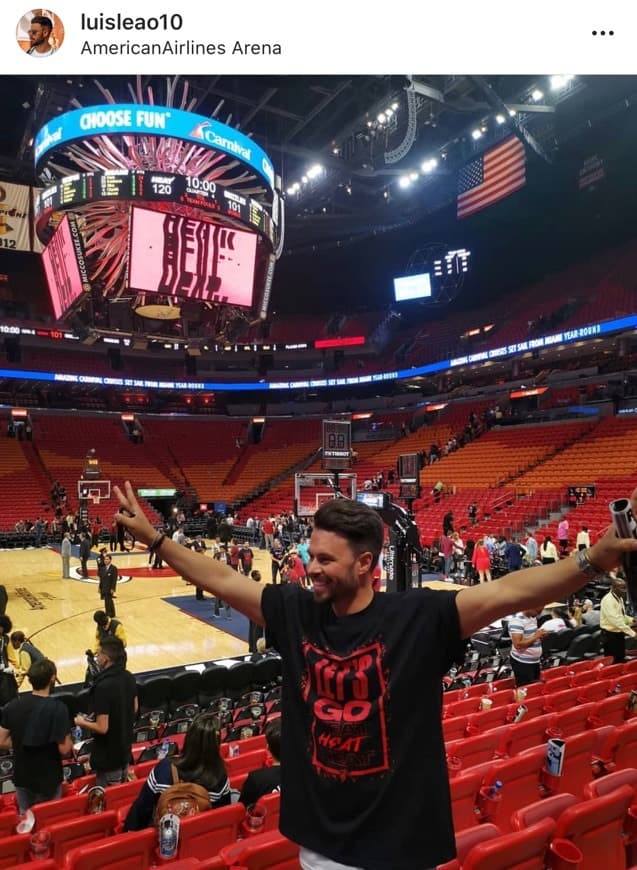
(200, 763)
(548, 551)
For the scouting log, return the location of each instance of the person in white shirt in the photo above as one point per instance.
(555, 623)
(583, 540)
(590, 616)
(40, 37)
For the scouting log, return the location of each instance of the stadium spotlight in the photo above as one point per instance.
(413, 176)
(500, 119)
(429, 165)
(559, 82)
(404, 181)
(476, 134)
(381, 118)
(537, 95)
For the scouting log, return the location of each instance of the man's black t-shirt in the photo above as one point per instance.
(260, 782)
(37, 725)
(363, 772)
(114, 694)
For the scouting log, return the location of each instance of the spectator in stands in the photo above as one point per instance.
(447, 523)
(65, 551)
(615, 625)
(446, 548)
(265, 780)
(583, 540)
(562, 536)
(200, 763)
(85, 553)
(472, 512)
(37, 729)
(344, 661)
(107, 628)
(526, 651)
(114, 706)
(26, 653)
(590, 616)
(548, 552)
(437, 491)
(556, 621)
(481, 561)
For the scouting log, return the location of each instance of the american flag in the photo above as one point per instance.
(491, 177)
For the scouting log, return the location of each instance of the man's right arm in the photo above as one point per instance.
(212, 575)
(520, 642)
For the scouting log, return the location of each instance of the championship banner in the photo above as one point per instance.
(37, 246)
(14, 217)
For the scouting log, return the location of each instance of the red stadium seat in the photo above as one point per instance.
(620, 748)
(49, 864)
(611, 782)
(478, 749)
(455, 727)
(207, 833)
(611, 711)
(14, 850)
(612, 672)
(68, 835)
(595, 827)
(246, 762)
(8, 821)
(122, 795)
(534, 708)
(524, 735)
(464, 794)
(558, 701)
(548, 808)
(520, 778)
(524, 850)
(597, 691)
(249, 744)
(487, 720)
(131, 851)
(557, 685)
(272, 806)
(270, 851)
(571, 722)
(52, 812)
(466, 840)
(586, 666)
(576, 769)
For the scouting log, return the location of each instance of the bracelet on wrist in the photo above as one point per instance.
(586, 564)
(158, 540)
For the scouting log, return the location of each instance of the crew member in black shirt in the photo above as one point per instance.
(38, 729)
(114, 706)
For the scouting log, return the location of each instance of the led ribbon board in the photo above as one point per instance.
(129, 119)
(165, 188)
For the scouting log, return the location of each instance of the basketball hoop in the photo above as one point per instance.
(95, 497)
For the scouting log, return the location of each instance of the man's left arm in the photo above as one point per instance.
(534, 587)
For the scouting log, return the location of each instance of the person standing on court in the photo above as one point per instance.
(114, 707)
(108, 583)
(65, 551)
(85, 553)
(38, 730)
(361, 699)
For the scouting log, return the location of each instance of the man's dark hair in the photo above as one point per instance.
(41, 673)
(273, 738)
(5, 624)
(113, 648)
(18, 637)
(100, 617)
(43, 21)
(359, 524)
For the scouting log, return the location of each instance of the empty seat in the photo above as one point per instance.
(122, 795)
(486, 720)
(155, 693)
(8, 821)
(52, 812)
(239, 678)
(597, 691)
(455, 727)
(611, 711)
(130, 851)
(620, 747)
(185, 688)
(269, 851)
(466, 840)
(476, 750)
(271, 803)
(524, 850)
(576, 768)
(559, 701)
(212, 683)
(611, 782)
(71, 834)
(207, 833)
(548, 808)
(595, 827)
(520, 778)
(464, 793)
(14, 850)
(523, 735)
(571, 722)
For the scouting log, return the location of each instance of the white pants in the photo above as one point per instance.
(313, 861)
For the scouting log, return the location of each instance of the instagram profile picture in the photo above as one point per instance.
(40, 33)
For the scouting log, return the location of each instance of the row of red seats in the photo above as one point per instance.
(559, 832)
(208, 840)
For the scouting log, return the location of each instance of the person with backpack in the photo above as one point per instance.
(26, 653)
(194, 782)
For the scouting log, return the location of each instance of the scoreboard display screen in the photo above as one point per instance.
(177, 256)
(65, 268)
(161, 187)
